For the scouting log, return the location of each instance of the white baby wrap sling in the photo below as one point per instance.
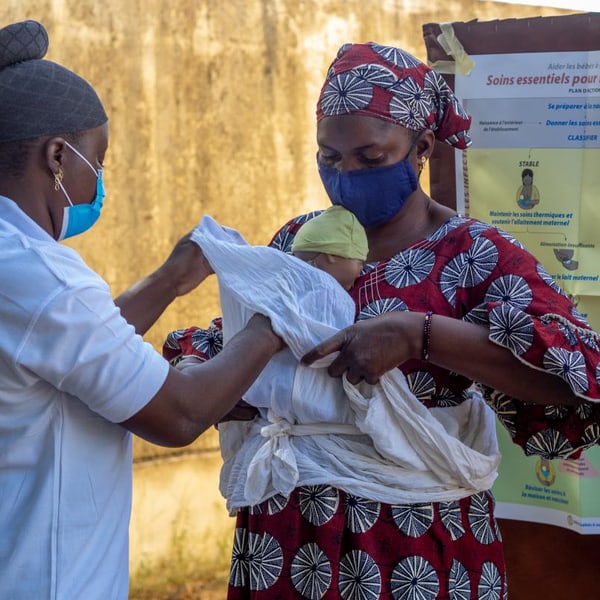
(375, 441)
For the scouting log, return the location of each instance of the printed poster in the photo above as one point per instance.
(535, 172)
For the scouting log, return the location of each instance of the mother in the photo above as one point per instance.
(449, 300)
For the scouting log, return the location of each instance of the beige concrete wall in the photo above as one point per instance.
(179, 513)
(211, 106)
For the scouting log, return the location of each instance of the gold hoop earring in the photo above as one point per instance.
(422, 161)
(58, 176)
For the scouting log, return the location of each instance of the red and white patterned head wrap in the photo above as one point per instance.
(391, 84)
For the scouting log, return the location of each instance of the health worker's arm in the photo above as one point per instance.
(185, 268)
(195, 398)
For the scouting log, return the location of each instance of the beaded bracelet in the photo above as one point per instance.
(426, 335)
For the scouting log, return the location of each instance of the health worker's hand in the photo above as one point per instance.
(187, 266)
(242, 411)
(261, 325)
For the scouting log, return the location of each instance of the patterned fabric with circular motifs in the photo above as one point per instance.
(338, 546)
(390, 84)
(472, 271)
(382, 552)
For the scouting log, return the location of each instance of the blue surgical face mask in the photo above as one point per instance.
(374, 195)
(78, 218)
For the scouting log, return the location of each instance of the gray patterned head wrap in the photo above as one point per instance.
(39, 97)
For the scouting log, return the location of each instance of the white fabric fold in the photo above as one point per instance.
(274, 463)
(305, 305)
(416, 439)
(378, 442)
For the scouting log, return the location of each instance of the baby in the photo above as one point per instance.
(334, 242)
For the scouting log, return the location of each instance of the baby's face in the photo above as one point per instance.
(344, 270)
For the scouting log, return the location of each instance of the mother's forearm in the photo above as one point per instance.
(466, 349)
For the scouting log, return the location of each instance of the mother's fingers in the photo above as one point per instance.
(333, 344)
(354, 374)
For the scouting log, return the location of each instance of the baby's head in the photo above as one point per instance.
(335, 242)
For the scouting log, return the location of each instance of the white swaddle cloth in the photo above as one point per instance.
(375, 441)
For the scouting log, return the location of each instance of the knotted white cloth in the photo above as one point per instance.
(374, 441)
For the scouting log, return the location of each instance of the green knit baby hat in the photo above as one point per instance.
(335, 231)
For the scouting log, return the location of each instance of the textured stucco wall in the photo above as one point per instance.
(211, 106)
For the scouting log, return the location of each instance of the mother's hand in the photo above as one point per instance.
(370, 348)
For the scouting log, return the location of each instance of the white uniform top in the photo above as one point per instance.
(71, 368)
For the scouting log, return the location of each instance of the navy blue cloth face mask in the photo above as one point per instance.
(375, 194)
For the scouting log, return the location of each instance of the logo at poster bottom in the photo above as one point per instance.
(544, 469)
